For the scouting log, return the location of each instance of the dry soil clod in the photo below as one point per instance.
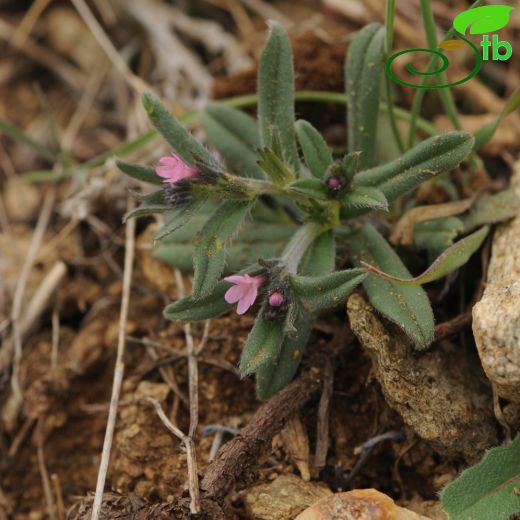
(496, 317)
(436, 393)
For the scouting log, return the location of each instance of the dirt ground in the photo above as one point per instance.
(75, 94)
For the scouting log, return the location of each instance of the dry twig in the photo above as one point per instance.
(119, 366)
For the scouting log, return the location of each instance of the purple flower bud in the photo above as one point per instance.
(333, 183)
(276, 299)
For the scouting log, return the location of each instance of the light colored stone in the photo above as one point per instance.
(359, 504)
(496, 317)
(283, 498)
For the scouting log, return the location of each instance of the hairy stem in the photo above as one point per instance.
(299, 244)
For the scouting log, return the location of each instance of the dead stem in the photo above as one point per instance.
(138, 84)
(51, 508)
(19, 293)
(119, 366)
(193, 391)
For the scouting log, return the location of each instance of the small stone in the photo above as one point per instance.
(496, 317)
(283, 498)
(359, 504)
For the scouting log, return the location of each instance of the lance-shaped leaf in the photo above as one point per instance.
(275, 168)
(276, 374)
(150, 203)
(433, 157)
(315, 150)
(320, 258)
(276, 95)
(362, 200)
(437, 235)
(484, 134)
(313, 188)
(181, 141)
(321, 292)
(491, 209)
(235, 135)
(262, 345)
(481, 20)
(406, 306)
(192, 309)
(210, 254)
(178, 219)
(450, 260)
(363, 74)
(141, 173)
(487, 490)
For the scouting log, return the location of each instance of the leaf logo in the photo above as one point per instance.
(481, 20)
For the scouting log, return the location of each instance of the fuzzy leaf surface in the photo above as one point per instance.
(235, 135)
(363, 75)
(427, 160)
(315, 150)
(140, 173)
(488, 489)
(407, 306)
(181, 141)
(210, 253)
(276, 95)
(450, 260)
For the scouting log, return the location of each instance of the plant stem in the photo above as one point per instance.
(389, 26)
(299, 244)
(192, 117)
(449, 105)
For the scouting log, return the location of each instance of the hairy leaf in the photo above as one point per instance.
(315, 151)
(313, 188)
(491, 209)
(406, 306)
(450, 260)
(235, 135)
(487, 490)
(437, 235)
(210, 254)
(191, 309)
(276, 95)
(363, 199)
(427, 160)
(276, 374)
(150, 203)
(182, 142)
(262, 345)
(320, 258)
(141, 173)
(321, 292)
(363, 75)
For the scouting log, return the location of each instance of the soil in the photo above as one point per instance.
(57, 435)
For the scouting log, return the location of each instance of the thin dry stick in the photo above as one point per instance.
(55, 340)
(193, 390)
(193, 479)
(27, 24)
(21, 284)
(119, 63)
(119, 367)
(47, 491)
(60, 506)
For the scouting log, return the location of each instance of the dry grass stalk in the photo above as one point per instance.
(119, 366)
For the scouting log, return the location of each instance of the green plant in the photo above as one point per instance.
(275, 207)
(490, 489)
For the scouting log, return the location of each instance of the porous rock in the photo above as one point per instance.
(437, 393)
(496, 317)
(283, 498)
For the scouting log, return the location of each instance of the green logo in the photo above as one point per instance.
(480, 20)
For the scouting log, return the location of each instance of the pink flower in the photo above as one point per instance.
(276, 299)
(244, 291)
(172, 169)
